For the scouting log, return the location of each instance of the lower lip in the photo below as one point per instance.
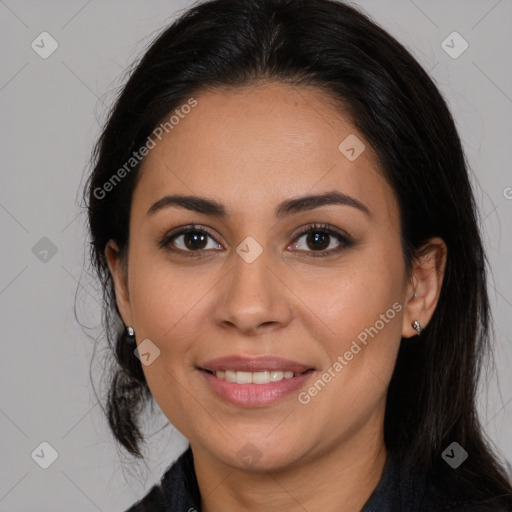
(255, 395)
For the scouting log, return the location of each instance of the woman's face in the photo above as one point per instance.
(248, 284)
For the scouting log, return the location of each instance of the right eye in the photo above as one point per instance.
(193, 240)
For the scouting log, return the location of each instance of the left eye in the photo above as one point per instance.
(319, 238)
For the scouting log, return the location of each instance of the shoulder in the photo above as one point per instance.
(443, 501)
(444, 505)
(153, 501)
(407, 487)
(450, 495)
(177, 490)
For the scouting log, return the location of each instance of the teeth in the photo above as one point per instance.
(263, 377)
(243, 377)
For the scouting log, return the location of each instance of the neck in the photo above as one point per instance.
(340, 478)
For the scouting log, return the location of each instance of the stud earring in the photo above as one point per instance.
(130, 331)
(417, 327)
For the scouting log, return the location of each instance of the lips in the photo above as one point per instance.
(255, 381)
(254, 364)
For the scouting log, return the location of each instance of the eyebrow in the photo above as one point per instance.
(286, 208)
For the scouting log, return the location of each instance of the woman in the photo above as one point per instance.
(282, 221)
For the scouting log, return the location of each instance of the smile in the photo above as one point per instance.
(254, 389)
(261, 377)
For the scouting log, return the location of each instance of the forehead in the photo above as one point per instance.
(254, 146)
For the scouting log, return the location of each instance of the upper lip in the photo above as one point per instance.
(254, 364)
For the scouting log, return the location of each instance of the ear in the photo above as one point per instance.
(119, 276)
(424, 288)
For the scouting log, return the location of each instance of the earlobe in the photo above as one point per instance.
(119, 277)
(424, 289)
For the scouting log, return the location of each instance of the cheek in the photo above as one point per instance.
(166, 303)
(168, 306)
(361, 306)
(159, 293)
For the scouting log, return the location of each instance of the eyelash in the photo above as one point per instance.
(312, 228)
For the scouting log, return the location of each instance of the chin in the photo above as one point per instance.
(262, 454)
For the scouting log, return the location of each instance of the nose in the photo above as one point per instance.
(254, 297)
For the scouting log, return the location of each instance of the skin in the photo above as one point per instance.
(251, 148)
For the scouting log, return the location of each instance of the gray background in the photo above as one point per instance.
(52, 110)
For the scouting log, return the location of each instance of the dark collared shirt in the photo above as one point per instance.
(397, 491)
